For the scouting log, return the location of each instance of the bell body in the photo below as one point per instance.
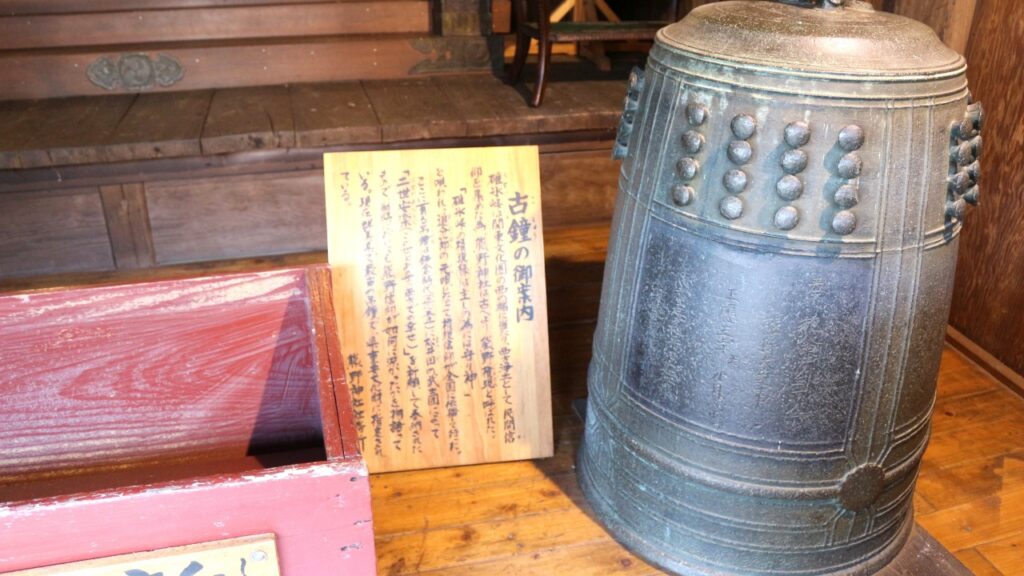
(775, 300)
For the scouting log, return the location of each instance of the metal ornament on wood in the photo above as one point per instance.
(135, 72)
(794, 180)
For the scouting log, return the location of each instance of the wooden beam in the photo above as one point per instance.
(131, 241)
(562, 10)
(221, 23)
(53, 74)
(35, 7)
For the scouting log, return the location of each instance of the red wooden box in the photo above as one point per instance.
(144, 416)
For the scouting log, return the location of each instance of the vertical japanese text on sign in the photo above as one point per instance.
(439, 283)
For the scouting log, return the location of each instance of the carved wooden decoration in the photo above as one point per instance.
(438, 263)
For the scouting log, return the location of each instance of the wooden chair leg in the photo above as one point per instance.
(544, 61)
(519, 59)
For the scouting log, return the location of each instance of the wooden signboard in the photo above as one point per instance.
(438, 265)
(248, 556)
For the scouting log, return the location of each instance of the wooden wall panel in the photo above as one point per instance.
(51, 74)
(578, 187)
(931, 12)
(238, 217)
(43, 233)
(220, 218)
(959, 22)
(30, 7)
(951, 19)
(222, 23)
(989, 294)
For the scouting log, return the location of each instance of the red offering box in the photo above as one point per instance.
(145, 416)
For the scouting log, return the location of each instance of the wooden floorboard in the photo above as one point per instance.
(159, 125)
(333, 114)
(414, 110)
(249, 119)
(60, 132)
(123, 128)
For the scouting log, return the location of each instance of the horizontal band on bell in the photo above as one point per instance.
(742, 234)
(728, 483)
(638, 543)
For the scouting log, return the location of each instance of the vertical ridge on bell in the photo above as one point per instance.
(620, 262)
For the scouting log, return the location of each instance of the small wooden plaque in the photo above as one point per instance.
(248, 556)
(438, 265)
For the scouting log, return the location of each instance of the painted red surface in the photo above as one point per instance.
(321, 517)
(185, 404)
(98, 375)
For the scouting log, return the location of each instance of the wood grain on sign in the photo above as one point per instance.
(249, 556)
(438, 265)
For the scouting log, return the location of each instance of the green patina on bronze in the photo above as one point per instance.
(794, 180)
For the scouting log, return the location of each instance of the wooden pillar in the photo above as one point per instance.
(951, 19)
(462, 39)
(464, 17)
(131, 242)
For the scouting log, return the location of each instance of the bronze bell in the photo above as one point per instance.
(779, 278)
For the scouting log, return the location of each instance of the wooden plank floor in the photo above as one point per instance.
(527, 518)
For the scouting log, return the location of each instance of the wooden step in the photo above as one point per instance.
(129, 127)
